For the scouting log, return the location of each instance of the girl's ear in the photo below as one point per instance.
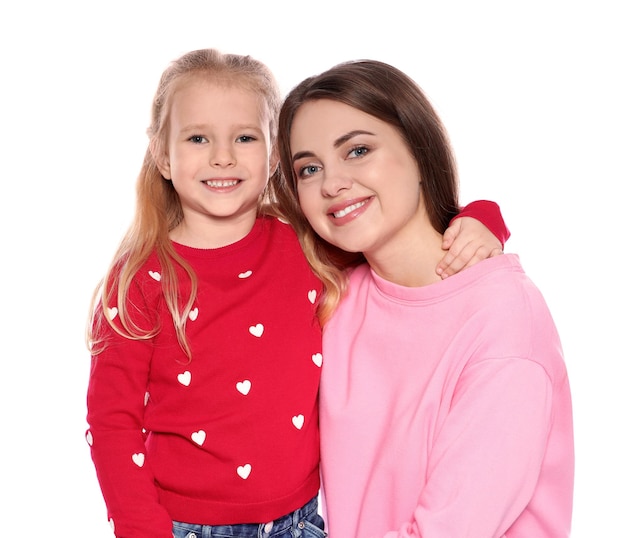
(161, 159)
(274, 160)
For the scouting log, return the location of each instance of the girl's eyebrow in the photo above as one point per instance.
(193, 127)
(202, 126)
(336, 144)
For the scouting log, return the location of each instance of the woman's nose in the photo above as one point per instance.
(334, 182)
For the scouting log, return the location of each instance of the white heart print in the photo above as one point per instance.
(138, 459)
(317, 359)
(298, 421)
(244, 470)
(185, 378)
(245, 274)
(156, 275)
(112, 312)
(198, 437)
(244, 386)
(89, 438)
(193, 315)
(257, 330)
(312, 296)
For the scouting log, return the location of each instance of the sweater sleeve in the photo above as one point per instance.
(486, 459)
(489, 214)
(116, 398)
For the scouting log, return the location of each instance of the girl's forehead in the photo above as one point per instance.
(203, 85)
(211, 104)
(213, 83)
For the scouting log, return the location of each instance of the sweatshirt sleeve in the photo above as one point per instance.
(486, 460)
(489, 214)
(116, 398)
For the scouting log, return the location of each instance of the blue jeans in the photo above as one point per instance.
(302, 523)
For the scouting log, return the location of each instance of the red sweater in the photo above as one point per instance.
(489, 214)
(232, 436)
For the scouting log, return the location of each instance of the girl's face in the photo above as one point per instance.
(358, 184)
(218, 159)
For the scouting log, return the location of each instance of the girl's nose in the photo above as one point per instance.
(222, 156)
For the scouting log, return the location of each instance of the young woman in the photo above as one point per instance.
(445, 407)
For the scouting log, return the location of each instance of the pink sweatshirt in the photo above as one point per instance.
(445, 410)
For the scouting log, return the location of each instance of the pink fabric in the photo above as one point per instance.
(445, 410)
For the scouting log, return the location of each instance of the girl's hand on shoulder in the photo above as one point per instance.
(467, 241)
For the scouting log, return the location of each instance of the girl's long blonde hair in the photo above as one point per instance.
(158, 208)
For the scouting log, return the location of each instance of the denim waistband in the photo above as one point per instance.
(294, 519)
(251, 530)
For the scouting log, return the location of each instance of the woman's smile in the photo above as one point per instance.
(346, 211)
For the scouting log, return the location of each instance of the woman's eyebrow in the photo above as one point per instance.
(344, 138)
(336, 144)
(300, 155)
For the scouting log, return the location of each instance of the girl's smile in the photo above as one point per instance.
(218, 159)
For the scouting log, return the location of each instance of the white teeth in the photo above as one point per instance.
(349, 209)
(218, 183)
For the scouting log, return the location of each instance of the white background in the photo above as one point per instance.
(532, 94)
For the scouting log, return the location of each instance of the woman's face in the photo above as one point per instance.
(357, 181)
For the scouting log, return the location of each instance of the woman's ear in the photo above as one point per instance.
(161, 159)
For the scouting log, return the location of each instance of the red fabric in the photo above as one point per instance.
(231, 436)
(489, 214)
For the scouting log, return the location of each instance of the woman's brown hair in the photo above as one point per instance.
(389, 95)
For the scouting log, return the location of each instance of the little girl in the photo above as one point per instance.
(206, 346)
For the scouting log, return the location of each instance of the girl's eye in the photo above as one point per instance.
(358, 151)
(246, 138)
(197, 139)
(307, 171)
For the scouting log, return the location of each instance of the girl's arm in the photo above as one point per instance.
(476, 233)
(116, 401)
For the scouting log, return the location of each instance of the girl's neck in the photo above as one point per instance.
(214, 234)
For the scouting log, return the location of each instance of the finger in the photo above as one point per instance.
(456, 259)
(466, 258)
(456, 264)
(445, 262)
(469, 255)
(451, 234)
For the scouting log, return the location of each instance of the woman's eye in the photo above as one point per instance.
(307, 171)
(359, 151)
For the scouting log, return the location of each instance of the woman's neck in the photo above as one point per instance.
(412, 261)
